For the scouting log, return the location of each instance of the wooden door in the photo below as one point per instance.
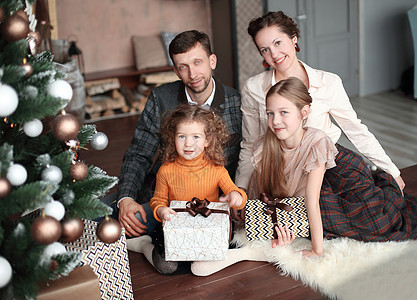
(329, 35)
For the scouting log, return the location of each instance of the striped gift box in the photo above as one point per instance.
(109, 262)
(259, 225)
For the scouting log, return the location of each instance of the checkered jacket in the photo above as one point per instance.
(140, 165)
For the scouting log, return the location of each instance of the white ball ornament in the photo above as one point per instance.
(5, 272)
(52, 174)
(33, 128)
(9, 100)
(52, 249)
(60, 89)
(55, 209)
(17, 174)
(99, 141)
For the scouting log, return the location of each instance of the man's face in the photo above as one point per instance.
(195, 68)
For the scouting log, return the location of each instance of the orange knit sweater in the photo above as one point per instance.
(185, 179)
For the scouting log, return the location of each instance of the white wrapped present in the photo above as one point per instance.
(197, 238)
(109, 262)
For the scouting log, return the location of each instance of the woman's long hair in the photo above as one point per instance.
(272, 177)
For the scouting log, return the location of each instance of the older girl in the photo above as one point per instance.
(291, 160)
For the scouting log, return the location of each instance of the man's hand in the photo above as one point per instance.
(127, 209)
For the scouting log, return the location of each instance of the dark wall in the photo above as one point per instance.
(224, 40)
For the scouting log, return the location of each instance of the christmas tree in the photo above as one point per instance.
(45, 189)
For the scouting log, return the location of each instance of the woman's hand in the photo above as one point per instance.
(400, 183)
(285, 236)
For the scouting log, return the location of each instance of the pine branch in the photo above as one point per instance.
(85, 134)
(27, 197)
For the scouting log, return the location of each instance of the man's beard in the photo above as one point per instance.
(199, 89)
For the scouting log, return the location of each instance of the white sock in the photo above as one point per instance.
(142, 244)
(205, 268)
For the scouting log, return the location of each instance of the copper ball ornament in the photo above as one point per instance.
(78, 170)
(45, 230)
(5, 187)
(65, 127)
(14, 28)
(72, 229)
(108, 230)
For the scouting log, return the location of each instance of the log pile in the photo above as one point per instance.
(103, 98)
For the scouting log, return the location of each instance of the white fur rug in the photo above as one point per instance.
(348, 269)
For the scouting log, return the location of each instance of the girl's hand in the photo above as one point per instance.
(310, 253)
(164, 212)
(285, 236)
(234, 198)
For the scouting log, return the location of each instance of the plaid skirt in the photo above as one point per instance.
(367, 207)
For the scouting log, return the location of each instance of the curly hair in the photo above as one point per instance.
(279, 19)
(214, 129)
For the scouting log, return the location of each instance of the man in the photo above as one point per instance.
(194, 63)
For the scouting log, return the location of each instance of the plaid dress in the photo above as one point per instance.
(367, 207)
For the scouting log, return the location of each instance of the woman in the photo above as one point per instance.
(275, 35)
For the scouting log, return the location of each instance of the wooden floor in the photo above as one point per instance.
(257, 280)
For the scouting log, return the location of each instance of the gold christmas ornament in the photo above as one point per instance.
(5, 187)
(45, 230)
(65, 127)
(108, 230)
(78, 170)
(14, 28)
(72, 229)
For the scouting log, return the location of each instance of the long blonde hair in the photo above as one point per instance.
(272, 178)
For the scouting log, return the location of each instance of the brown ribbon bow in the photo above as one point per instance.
(271, 208)
(197, 206)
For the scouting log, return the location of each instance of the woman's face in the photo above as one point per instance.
(277, 48)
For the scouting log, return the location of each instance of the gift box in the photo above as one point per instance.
(197, 238)
(82, 283)
(109, 262)
(259, 222)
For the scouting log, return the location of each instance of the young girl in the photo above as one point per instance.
(347, 200)
(192, 156)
